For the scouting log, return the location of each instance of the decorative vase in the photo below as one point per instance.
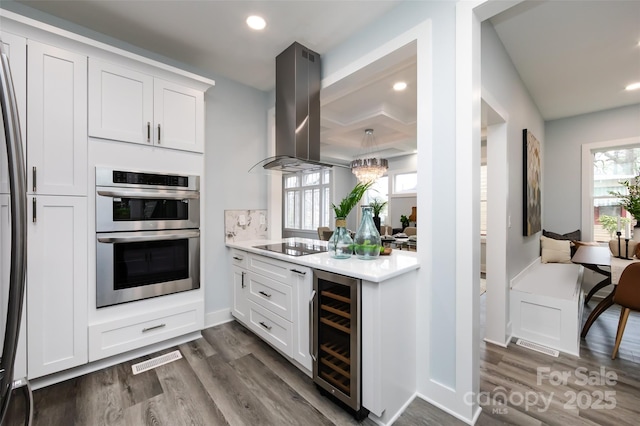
(340, 245)
(367, 241)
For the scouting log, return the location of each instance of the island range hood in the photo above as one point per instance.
(297, 112)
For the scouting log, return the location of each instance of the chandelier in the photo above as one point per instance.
(369, 168)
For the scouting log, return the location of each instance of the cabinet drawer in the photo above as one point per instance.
(272, 328)
(239, 258)
(273, 268)
(270, 294)
(115, 337)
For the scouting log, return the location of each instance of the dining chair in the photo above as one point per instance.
(321, 232)
(410, 230)
(627, 295)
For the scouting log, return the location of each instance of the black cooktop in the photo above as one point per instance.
(294, 249)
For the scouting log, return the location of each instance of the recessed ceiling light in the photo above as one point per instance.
(401, 85)
(634, 86)
(256, 22)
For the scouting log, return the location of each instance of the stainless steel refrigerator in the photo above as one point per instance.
(14, 266)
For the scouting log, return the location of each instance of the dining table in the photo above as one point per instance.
(595, 258)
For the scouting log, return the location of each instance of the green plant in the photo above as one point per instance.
(631, 200)
(351, 200)
(404, 220)
(610, 223)
(377, 205)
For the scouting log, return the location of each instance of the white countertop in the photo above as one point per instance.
(378, 270)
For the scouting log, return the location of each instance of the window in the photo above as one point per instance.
(307, 200)
(405, 183)
(609, 168)
(378, 191)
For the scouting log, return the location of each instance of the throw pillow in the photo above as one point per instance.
(555, 251)
(571, 236)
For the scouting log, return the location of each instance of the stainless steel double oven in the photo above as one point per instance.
(147, 235)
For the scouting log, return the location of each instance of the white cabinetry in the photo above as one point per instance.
(141, 329)
(56, 121)
(240, 307)
(271, 298)
(57, 268)
(57, 284)
(132, 106)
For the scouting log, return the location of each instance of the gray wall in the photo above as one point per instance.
(236, 132)
(501, 82)
(562, 159)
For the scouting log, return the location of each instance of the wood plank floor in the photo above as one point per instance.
(230, 377)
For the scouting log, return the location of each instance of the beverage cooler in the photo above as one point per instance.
(336, 339)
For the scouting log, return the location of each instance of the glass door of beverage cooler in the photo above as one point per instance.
(336, 337)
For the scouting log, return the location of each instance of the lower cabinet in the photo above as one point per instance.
(135, 331)
(240, 309)
(271, 298)
(56, 284)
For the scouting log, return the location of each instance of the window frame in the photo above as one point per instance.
(588, 149)
(324, 188)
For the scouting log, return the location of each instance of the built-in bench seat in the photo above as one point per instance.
(546, 305)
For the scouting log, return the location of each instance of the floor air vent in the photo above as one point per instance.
(538, 348)
(156, 362)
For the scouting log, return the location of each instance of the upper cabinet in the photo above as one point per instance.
(57, 121)
(131, 106)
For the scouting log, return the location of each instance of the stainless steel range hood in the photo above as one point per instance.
(297, 112)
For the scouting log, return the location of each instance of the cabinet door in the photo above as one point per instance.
(240, 291)
(179, 116)
(57, 124)
(16, 49)
(56, 284)
(120, 103)
(303, 286)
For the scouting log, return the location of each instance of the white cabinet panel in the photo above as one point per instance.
(120, 103)
(302, 288)
(57, 284)
(240, 290)
(179, 116)
(57, 117)
(130, 106)
(132, 332)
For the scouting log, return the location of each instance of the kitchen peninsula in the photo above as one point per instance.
(272, 292)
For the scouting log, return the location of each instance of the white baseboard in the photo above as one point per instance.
(493, 342)
(453, 413)
(211, 319)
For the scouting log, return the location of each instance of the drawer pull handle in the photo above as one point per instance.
(264, 294)
(268, 327)
(298, 272)
(237, 258)
(144, 330)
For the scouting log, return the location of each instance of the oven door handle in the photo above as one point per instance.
(134, 237)
(173, 195)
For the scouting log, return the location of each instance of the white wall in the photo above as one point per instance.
(562, 160)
